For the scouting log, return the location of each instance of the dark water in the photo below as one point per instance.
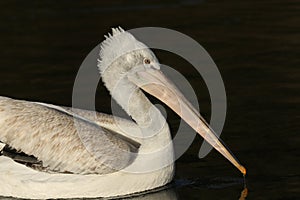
(255, 44)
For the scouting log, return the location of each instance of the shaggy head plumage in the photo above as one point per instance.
(115, 45)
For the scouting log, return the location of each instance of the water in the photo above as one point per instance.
(255, 44)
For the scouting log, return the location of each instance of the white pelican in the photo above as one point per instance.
(82, 156)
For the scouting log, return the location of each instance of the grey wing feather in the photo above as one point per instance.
(2, 145)
(110, 121)
(63, 142)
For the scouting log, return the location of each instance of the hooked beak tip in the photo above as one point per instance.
(243, 170)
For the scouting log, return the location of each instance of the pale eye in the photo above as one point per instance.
(147, 61)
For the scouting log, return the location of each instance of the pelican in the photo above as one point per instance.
(79, 153)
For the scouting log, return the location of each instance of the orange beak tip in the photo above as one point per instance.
(243, 170)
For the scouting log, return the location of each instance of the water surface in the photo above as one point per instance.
(255, 44)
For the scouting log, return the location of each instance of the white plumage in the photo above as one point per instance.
(106, 156)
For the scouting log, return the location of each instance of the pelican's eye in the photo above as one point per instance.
(147, 61)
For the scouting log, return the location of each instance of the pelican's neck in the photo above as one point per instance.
(130, 97)
(138, 106)
(156, 150)
(149, 119)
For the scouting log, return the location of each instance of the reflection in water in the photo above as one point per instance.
(167, 194)
(244, 194)
(205, 187)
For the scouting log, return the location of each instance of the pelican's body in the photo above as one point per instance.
(22, 181)
(87, 154)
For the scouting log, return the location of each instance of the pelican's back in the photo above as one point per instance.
(52, 136)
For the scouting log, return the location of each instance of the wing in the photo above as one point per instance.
(2, 145)
(63, 142)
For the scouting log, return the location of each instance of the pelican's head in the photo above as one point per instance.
(120, 55)
(126, 64)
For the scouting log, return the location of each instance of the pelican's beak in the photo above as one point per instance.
(155, 83)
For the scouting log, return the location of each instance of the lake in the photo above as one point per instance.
(255, 45)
